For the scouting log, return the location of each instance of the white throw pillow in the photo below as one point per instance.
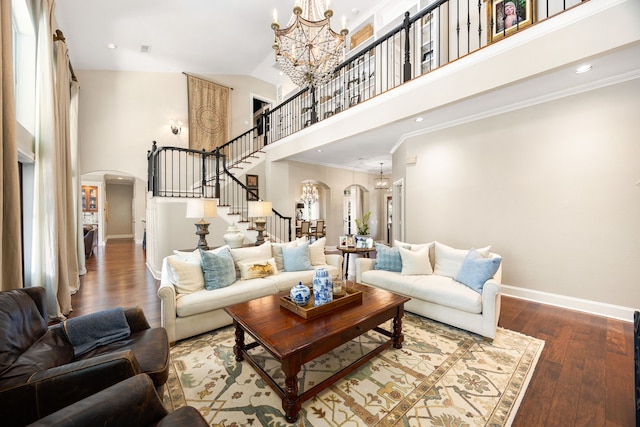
(256, 269)
(186, 276)
(415, 262)
(254, 253)
(449, 260)
(316, 252)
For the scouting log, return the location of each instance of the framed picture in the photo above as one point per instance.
(361, 242)
(253, 194)
(351, 241)
(252, 181)
(343, 241)
(508, 16)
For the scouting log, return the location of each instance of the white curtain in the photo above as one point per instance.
(54, 257)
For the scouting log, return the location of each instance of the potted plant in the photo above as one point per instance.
(362, 225)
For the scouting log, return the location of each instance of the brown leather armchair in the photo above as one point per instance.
(132, 402)
(39, 373)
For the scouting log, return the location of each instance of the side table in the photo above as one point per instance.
(349, 250)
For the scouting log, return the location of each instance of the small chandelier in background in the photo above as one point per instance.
(308, 50)
(309, 194)
(381, 183)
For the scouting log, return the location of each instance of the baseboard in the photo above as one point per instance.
(572, 303)
(119, 236)
(156, 274)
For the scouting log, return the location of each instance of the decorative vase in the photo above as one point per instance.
(300, 294)
(322, 287)
(233, 237)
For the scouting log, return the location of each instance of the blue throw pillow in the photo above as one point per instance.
(476, 270)
(218, 269)
(296, 258)
(387, 258)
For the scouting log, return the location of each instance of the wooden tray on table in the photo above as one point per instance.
(308, 311)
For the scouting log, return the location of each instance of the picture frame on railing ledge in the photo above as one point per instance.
(506, 17)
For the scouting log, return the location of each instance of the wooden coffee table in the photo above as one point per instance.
(294, 340)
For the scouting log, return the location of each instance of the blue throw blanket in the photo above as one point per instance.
(93, 330)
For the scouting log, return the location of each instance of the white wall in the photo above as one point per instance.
(553, 188)
(284, 189)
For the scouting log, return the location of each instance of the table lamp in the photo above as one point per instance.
(259, 210)
(202, 208)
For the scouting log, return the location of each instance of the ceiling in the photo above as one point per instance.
(234, 37)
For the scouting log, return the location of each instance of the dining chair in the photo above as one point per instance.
(318, 232)
(304, 229)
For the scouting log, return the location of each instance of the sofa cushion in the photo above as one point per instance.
(415, 262)
(257, 269)
(476, 270)
(185, 275)
(449, 260)
(240, 291)
(218, 269)
(391, 281)
(297, 258)
(387, 258)
(447, 292)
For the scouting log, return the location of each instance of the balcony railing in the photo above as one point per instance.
(443, 32)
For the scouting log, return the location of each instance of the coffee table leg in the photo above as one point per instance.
(291, 401)
(398, 337)
(239, 347)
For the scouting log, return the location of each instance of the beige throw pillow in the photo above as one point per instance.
(316, 252)
(185, 276)
(415, 262)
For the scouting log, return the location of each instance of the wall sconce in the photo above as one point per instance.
(176, 129)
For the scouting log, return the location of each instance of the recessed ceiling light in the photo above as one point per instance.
(319, 150)
(419, 119)
(584, 68)
(112, 46)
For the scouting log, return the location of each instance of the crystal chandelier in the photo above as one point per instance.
(308, 50)
(381, 183)
(309, 194)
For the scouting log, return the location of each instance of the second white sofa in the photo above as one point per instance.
(427, 274)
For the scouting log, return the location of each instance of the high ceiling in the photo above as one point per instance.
(234, 37)
(197, 36)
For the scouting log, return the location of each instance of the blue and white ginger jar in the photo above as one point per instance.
(300, 294)
(322, 287)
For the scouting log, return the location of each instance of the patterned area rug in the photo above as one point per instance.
(442, 376)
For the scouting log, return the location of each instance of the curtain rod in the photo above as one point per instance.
(58, 36)
(201, 78)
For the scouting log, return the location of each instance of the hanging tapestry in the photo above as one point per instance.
(208, 114)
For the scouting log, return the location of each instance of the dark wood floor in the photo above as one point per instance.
(584, 376)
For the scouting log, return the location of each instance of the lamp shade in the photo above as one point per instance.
(259, 209)
(201, 208)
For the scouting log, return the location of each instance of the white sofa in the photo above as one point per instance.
(188, 309)
(433, 291)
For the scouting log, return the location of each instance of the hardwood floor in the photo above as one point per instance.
(584, 376)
